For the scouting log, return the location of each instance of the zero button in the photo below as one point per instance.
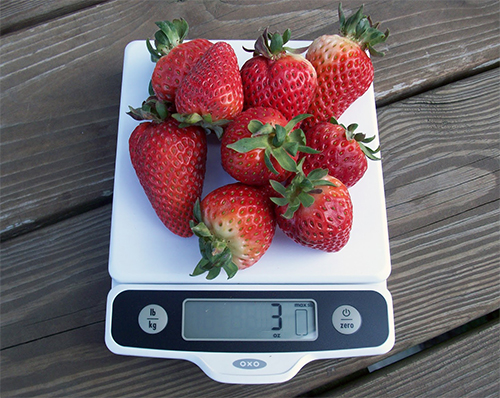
(346, 319)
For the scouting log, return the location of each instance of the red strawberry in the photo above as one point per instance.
(260, 144)
(212, 91)
(344, 69)
(315, 211)
(342, 151)
(235, 225)
(173, 57)
(170, 164)
(278, 77)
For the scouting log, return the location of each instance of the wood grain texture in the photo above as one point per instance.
(441, 167)
(55, 280)
(445, 271)
(20, 14)
(60, 81)
(462, 367)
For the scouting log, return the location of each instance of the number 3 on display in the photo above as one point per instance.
(277, 316)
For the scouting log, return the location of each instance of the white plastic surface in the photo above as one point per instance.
(143, 250)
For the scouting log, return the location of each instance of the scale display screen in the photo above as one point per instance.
(249, 320)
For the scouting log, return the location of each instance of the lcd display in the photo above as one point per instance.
(240, 320)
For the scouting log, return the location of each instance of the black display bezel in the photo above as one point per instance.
(126, 306)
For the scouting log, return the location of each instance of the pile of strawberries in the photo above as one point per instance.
(279, 139)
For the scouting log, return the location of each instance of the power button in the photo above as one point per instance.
(346, 319)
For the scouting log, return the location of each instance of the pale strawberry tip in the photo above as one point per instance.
(216, 255)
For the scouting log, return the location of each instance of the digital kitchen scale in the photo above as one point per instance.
(294, 306)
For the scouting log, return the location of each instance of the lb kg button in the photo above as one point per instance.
(346, 319)
(153, 319)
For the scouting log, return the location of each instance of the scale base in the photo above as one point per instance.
(349, 321)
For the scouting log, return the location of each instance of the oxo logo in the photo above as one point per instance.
(249, 364)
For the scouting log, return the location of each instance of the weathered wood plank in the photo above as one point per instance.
(19, 14)
(466, 366)
(55, 279)
(444, 271)
(61, 81)
(441, 167)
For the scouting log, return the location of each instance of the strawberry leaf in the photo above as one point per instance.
(292, 148)
(352, 127)
(268, 162)
(170, 35)
(256, 127)
(276, 43)
(286, 36)
(215, 254)
(278, 187)
(306, 200)
(279, 201)
(201, 230)
(271, 45)
(197, 211)
(204, 121)
(151, 109)
(290, 211)
(296, 120)
(359, 27)
(213, 273)
(368, 140)
(200, 268)
(249, 144)
(279, 136)
(284, 159)
(300, 190)
(230, 269)
(370, 153)
(317, 174)
(278, 142)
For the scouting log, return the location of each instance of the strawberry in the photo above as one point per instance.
(342, 151)
(170, 164)
(345, 71)
(278, 77)
(173, 57)
(315, 211)
(260, 144)
(235, 224)
(212, 91)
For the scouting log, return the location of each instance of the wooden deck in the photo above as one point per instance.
(438, 105)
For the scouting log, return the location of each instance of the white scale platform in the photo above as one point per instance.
(145, 256)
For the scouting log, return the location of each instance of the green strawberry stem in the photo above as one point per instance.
(359, 28)
(360, 138)
(151, 109)
(299, 191)
(279, 142)
(204, 121)
(271, 45)
(170, 35)
(215, 253)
